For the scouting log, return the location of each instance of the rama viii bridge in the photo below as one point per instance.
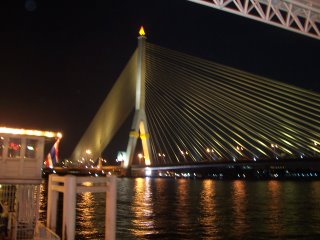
(189, 110)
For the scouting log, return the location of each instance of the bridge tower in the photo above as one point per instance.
(139, 126)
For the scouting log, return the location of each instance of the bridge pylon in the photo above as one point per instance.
(139, 126)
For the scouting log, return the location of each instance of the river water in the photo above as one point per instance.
(157, 208)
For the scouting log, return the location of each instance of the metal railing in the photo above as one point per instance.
(300, 16)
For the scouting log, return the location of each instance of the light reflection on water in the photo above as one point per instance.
(85, 214)
(239, 209)
(208, 214)
(142, 208)
(274, 202)
(182, 206)
(150, 208)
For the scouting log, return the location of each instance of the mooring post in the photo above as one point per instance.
(52, 205)
(69, 208)
(111, 208)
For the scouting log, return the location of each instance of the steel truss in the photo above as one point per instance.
(299, 16)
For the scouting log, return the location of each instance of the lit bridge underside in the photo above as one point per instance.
(301, 16)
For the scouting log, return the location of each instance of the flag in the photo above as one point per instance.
(52, 157)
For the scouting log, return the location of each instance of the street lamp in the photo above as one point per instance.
(315, 145)
(88, 157)
(274, 147)
(161, 156)
(239, 150)
(140, 156)
(210, 152)
(184, 154)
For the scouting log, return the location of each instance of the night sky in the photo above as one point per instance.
(60, 58)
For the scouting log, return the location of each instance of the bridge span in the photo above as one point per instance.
(302, 169)
(247, 169)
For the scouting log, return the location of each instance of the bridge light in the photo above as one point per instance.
(148, 172)
(141, 31)
(147, 162)
(274, 145)
(88, 151)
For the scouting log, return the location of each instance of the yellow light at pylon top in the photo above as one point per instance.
(141, 31)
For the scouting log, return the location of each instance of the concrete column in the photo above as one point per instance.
(133, 137)
(69, 208)
(52, 205)
(144, 135)
(111, 208)
(141, 73)
(140, 120)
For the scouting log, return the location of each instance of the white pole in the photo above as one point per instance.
(52, 206)
(111, 208)
(69, 208)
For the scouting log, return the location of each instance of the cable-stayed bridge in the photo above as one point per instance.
(190, 110)
(198, 108)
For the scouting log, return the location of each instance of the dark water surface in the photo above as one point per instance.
(151, 208)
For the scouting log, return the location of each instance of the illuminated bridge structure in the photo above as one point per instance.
(300, 16)
(190, 110)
